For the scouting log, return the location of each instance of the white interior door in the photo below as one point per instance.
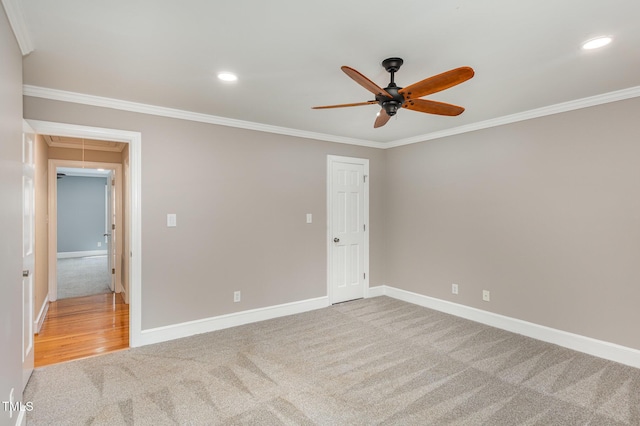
(28, 249)
(348, 214)
(109, 229)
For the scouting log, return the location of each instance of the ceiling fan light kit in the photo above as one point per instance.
(392, 98)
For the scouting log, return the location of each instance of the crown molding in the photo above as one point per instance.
(18, 25)
(99, 101)
(604, 98)
(79, 98)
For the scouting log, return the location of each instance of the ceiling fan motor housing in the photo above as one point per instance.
(393, 104)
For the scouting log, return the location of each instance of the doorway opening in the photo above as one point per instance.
(129, 238)
(87, 314)
(86, 228)
(86, 223)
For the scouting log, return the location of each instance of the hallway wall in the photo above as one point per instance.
(41, 289)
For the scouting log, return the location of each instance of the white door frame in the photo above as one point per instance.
(134, 139)
(53, 165)
(365, 163)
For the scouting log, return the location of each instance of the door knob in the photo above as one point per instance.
(336, 240)
(106, 235)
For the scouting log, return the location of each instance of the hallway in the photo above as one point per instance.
(81, 327)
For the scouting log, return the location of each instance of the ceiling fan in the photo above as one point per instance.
(392, 97)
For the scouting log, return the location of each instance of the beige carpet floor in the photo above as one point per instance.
(372, 361)
(83, 276)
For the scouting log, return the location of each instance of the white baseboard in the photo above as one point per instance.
(190, 328)
(42, 314)
(125, 295)
(68, 254)
(588, 345)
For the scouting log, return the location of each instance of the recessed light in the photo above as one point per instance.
(227, 76)
(596, 43)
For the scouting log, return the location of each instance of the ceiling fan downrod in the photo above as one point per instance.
(392, 65)
(392, 105)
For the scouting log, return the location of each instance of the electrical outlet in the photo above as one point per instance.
(454, 288)
(99, 244)
(486, 295)
(236, 296)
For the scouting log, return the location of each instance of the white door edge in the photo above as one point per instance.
(115, 182)
(134, 139)
(365, 163)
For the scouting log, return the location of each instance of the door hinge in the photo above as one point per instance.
(364, 275)
(113, 270)
(364, 178)
(364, 227)
(113, 226)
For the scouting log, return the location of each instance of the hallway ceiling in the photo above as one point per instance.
(78, 143)
(288, 53)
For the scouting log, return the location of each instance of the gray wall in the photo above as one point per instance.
(241, 199)
(543, 213)
(10, 216)
(81, 213)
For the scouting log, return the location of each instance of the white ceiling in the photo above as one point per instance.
(287, 53)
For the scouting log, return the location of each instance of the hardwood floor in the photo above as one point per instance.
(81, 327)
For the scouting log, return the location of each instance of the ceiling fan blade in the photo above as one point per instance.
(345, 105)
(382, 119)
(365, 82)
(433, 107)
(437, 83)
